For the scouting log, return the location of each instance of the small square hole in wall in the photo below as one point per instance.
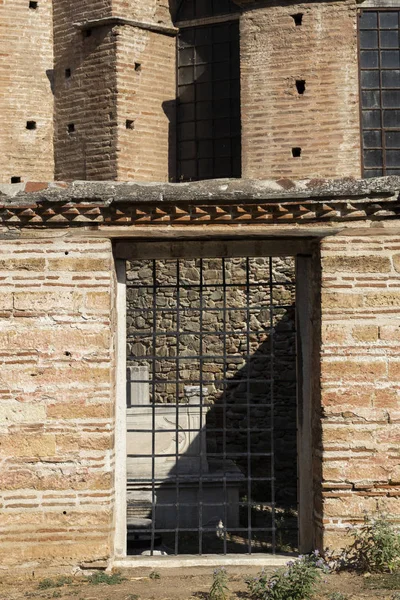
(129, 124)
(87, 33)
(71, 127)
(296, 152)
(15, 179)
(33, 4)
(138, 66)
(300, 86)
(31, 124)
(298, 19)
(67, 73)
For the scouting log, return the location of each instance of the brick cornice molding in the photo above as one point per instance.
(199, 203)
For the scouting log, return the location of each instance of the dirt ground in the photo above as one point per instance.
(182, 584)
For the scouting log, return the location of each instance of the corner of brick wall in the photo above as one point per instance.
(360, 382)
(57, 402)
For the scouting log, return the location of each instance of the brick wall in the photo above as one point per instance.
(85, 97)
(118, 74)
(56, 401)
(26, 69)
(324, 121)
(146, 96)
(360, 381)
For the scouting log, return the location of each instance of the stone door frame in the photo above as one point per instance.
(305, 251)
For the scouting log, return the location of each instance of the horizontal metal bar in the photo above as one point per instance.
(213, 406)
(175, 504)
(206, 286)
(198, 455)
(205, 529)
(231, 476)
(209, 430)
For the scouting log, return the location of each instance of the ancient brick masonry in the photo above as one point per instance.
(323, 122)
(57, 342)
(360, 380)
(56, 414)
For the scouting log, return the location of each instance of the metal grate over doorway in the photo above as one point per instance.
(211, 435)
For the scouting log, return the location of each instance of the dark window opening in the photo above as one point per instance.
(208, 103)
(15, 179)
(33, 5)
(201, 9)
(296, 152)
(379, 62)
(70, 127)
(138, 66)
(31, 124)
(67, 73)
(130, 124)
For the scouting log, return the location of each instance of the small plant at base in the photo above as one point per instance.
(396, 596)
(101, 577)
(297, 581)
(338, 596)
(219, 588)
(47, 583)
(56, 594)
(155, 575)
(376, 546)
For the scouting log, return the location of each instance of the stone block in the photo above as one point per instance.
(341, 300)
(382, 299)
(356, 264)
(73, 410)
(365, 333)
(19, 445)
(62, 299)
(353, 369)
(79, 264)
(98, 301)
(22, 264)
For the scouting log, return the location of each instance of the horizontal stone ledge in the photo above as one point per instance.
(225, 202)
(216, 190)
(113, 21)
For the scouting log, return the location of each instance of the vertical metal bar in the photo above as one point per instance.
(153, 412)
(248, 368)
(272, 358)
(201, 414)
(177, 407)
(224, 401)
(383, 140)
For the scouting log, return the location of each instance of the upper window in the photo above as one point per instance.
(200, 9)
(208, 95)
(379, 41)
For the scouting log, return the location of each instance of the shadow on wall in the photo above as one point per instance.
(224, 478)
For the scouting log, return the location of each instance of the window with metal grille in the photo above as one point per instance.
(200, 9)
(208, 96)
(379, 42)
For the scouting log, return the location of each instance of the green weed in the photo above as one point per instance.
(375, 547)
(219, 589)
(101, 577)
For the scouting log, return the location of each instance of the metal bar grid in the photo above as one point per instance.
(236, 466)
(379, 65)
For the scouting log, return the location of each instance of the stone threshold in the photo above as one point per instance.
(209, 560)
